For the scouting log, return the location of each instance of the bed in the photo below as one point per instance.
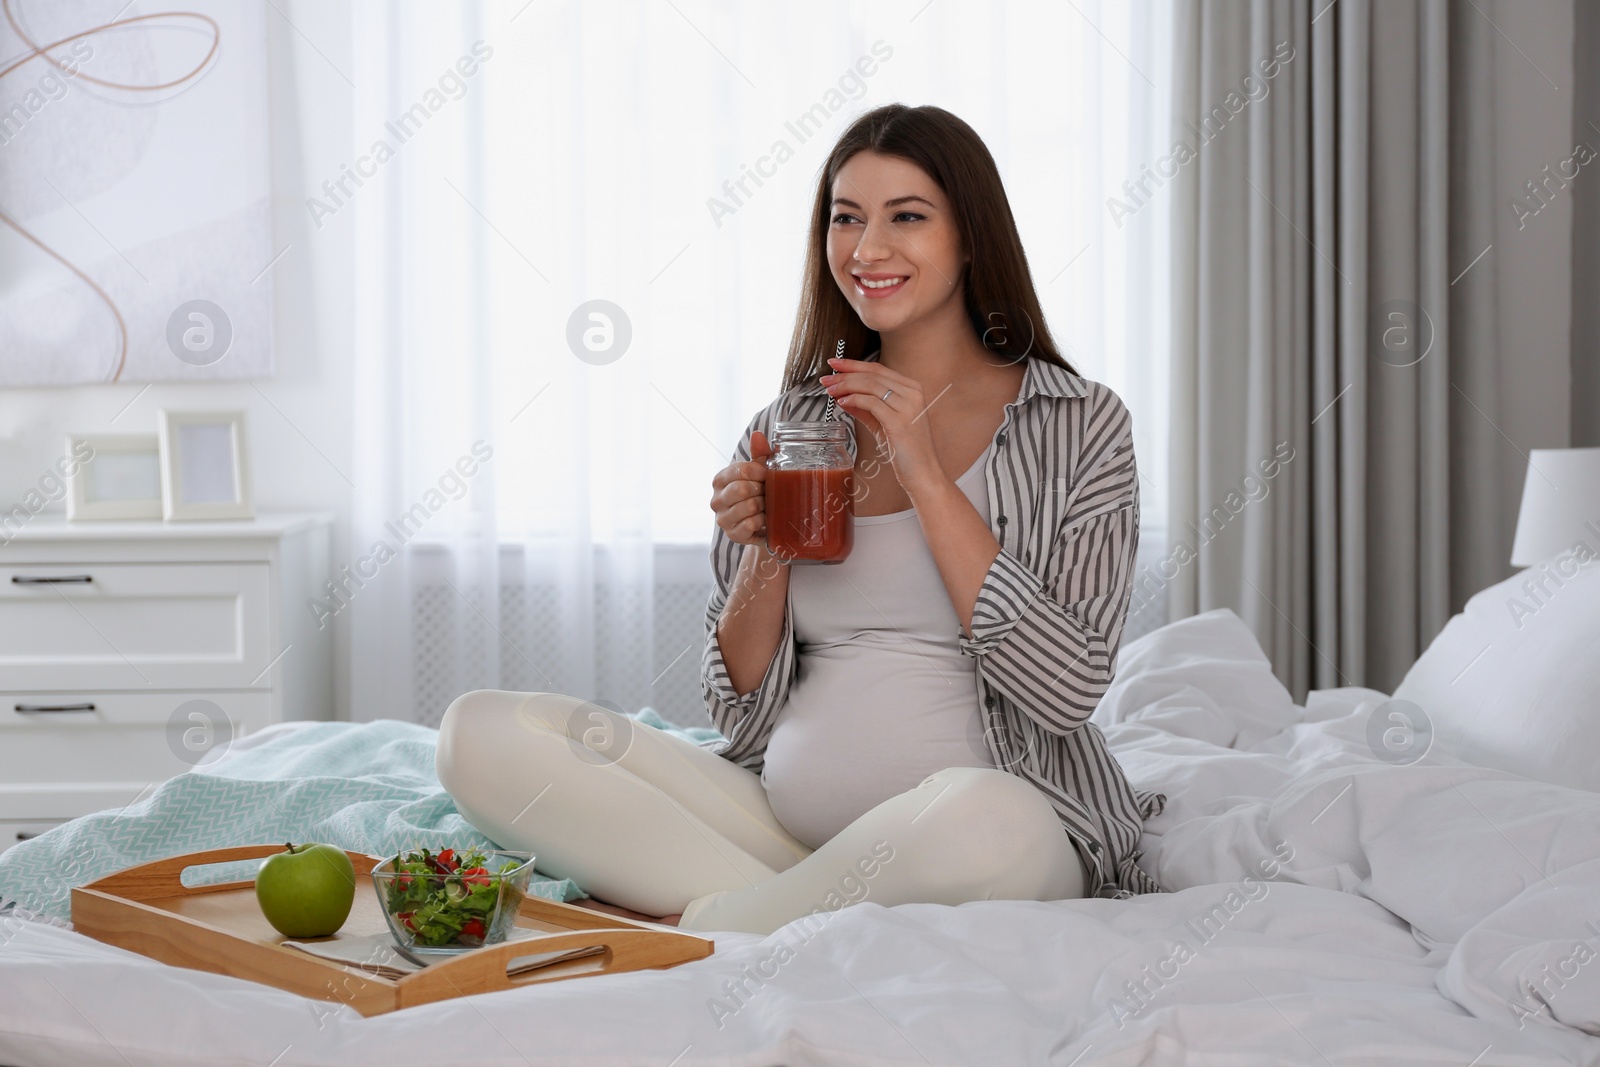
(1331, 902)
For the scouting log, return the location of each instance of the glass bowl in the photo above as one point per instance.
(458, 905)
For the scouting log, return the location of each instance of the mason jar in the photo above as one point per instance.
(810, 492)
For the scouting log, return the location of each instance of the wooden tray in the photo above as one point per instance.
(219, 928)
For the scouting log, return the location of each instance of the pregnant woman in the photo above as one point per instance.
(909, 725)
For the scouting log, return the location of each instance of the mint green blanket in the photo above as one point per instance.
(367, 787)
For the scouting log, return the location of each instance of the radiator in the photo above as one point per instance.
(529, 620)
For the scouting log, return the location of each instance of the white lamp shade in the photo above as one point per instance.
(1560, 504)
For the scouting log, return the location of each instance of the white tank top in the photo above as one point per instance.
(883, 696)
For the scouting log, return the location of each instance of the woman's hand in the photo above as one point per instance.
(898, 423)
(738, 495)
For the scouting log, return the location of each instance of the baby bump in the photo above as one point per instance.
(862, 725)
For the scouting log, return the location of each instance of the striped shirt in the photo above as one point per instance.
(1064, 507)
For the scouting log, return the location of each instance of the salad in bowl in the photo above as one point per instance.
(450, 901)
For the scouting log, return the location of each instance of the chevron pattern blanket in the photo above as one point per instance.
(368, 787)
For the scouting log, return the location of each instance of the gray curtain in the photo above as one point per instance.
(1327, 465)
(1586, 232)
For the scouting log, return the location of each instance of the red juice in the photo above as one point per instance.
(811, 514)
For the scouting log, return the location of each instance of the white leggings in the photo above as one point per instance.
(651, 822)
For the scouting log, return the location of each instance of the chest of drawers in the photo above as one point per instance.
(129, 650)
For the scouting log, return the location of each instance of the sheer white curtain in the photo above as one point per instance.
(659, 158)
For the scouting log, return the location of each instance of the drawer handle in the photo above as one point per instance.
(51, 579)
(24, 835)
(30, 708)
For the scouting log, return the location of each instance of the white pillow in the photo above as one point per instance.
(1513, 682)
(1203, 676)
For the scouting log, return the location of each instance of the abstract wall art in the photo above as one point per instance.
(135, 215)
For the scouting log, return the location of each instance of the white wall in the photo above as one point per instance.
(299, 419)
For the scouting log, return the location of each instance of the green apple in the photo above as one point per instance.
(306, 890)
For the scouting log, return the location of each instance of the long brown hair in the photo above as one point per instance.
(997, 287)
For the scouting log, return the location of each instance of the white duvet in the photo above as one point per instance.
(1328, 906)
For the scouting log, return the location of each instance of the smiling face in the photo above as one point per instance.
(893, 244)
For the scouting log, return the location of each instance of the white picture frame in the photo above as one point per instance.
(120, 480)
(205, 466)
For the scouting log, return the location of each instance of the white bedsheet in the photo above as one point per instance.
(1328, 907)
